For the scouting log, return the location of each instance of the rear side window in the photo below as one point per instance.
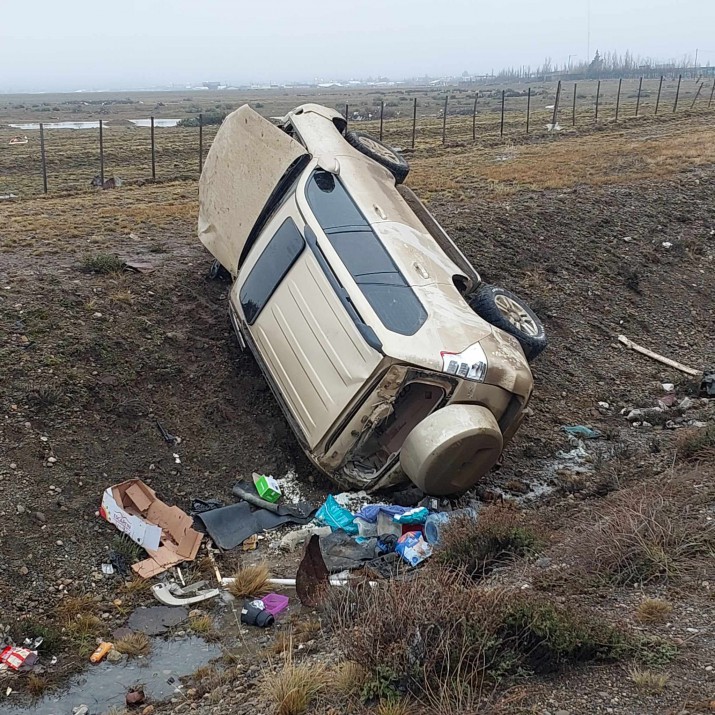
(270, 269)
(364, 255)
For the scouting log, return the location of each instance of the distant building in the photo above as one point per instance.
(212, 85)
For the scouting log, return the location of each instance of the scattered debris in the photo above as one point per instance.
(101, 652)
(302, 510)
(435, 523)
(413, 548)
(139, 267)
(275, 603)
(312, 577)
(298, 536)
(18, 140)
(336, 517)
(19, 659)
(660, 358)
(174, 595)
(582, 431)
(254, 613)
(165, 532)
(267, 487)
(169, 438)
(135, 697)
(707, 384)
(113, 182)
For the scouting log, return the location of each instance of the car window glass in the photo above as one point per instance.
(364, 255)
(269, 270)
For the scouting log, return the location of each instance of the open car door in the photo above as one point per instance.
(248, 161)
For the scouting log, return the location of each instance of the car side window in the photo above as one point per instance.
(364, 255)
(269, 270)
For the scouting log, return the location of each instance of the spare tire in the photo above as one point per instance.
(393, 161)
(507, 311)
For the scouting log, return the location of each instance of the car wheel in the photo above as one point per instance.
(507, 311)
(381, 153)
(218, 272)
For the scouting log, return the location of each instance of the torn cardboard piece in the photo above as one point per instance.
(163, 531)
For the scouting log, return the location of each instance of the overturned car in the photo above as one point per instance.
(388, 355)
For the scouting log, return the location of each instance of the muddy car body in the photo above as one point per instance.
(358, 307)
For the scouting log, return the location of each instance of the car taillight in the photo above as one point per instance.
(470, 364)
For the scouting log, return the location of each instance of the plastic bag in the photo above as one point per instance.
(336, 517)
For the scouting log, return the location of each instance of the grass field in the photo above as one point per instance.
(73, 155)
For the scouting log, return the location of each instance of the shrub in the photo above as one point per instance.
(209, 118)
(653, 610)
(133, 644)
(477, 546)
(101, 263)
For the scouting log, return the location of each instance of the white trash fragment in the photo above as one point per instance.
(177, 459)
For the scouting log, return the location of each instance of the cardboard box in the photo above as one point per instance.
(267, 487)
(164, 531)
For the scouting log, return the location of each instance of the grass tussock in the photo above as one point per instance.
(103, 263)
(51, 635)
(648, 680)
(641, 537)
(696, 445)
(202, 626)
(653, 610)
(83, 631)
(477, 546)
(72, 606)
(348, 678)
(135, 586)
(134, 644)
(36, 684)
(294, 687)
(250, 580)
(393, 707)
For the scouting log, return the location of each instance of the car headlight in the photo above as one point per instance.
(470, 364)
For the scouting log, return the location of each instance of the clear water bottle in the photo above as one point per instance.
(435, 523)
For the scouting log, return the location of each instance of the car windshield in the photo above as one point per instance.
(364, 255)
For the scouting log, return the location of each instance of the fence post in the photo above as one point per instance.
(382, 113)
(573, 109)
(42, 155)
(444, 121)
(474, 117)
(697, 94)
(501, 126)
(677, 93)
(556, 106)
(712, 91)
(528, 108)
(598, 95)
(153, 152)
(346, 115)
(101, 153)
(201, 144)
(618, 97)
(657, 101)
(414, 121)
(638, 101)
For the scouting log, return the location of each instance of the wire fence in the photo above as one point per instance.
(103, 155)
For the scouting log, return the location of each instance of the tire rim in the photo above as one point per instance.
(516, 315)
(379, 149)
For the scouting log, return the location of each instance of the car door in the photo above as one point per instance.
(314, 350)
(248, 161)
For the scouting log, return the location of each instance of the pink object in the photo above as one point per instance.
(275, 603)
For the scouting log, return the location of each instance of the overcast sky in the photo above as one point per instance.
(54, 45)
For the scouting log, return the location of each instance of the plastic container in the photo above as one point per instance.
(435, 523)
(275, 603)
(101, 653)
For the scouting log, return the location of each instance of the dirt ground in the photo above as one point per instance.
(91, 361)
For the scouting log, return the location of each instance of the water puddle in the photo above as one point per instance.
(95, 124)
(104, 686)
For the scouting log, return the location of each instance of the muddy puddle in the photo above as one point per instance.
(104, 686)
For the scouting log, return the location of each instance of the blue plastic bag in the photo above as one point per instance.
(336, 517)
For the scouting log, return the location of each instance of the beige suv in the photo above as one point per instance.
(388, 355)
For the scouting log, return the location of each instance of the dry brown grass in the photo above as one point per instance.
(648, 680)
(134, 644)
(393, 707)
(250, 580)
(36, 684)
(292, 688)
(696, 445)
(653, 610)
(202, 625)
(72, 606)
(135, 587)
(348, 678)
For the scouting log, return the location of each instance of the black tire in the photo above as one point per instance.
(494, 305)
(218, 273)
(381, 153)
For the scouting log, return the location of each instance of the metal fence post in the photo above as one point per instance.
(382, 113)
(42, 156)
(712, 91)
(573, 109)
(101, 153)
(414, 121)
(501, 126)
(657, 101)
(153, 152)
(528, 108)
(598, 95)
(474, 117)
(618, 97)
(697, 94)
(638, 101)
(444, 120)
(556, 106)
(201, 144)
(677, 93)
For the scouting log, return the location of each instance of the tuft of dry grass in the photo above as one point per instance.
(84, 630)
(653, 610)
(294, 686)
(696, 445)
(72, 606)
(348, 678)
(648, 680)
(36, 684)
(250, 581)
(134, 644)
(393, 707)
(202, 625)
(135, 587)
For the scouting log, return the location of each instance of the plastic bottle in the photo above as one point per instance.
(102, 649)
(435, 523)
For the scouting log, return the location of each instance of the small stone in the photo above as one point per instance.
(96, 315)
(13, 465)
(80, 710)
(709, 668)
(196, 613)
(191, 692)
(114, 656)
(59, 542)
(562, 712)
(148, 710)
(44, 439)
(692, 630)
(24, 571)
(20, 509)
(685, 404)
(135, 697)
(52, 460)
(40, 516)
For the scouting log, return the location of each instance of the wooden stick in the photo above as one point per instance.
(666, 361)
